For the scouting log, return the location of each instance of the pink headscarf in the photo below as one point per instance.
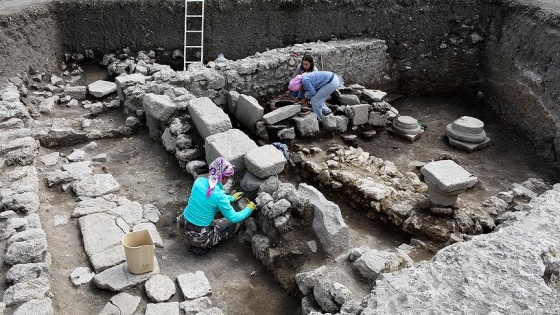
(218, 169)
(295, 83)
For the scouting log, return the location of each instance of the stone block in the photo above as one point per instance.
(281, 113)
(25, 272)
(232, 99)
(250, 182)
(26, 291)
(208, 118)
(194, 285)
(335, 123)
(371, 96)
(96, 185)
(231, 145)
(265, 161)
(248, 111)
(370, 264)
(170, 308)
(349, 99)
(99, 233)
(329, 226)
(81, 275)
(160, 288)
(467, 146)
(448, 175)
(124, 81)
(260, 244)
(287, 134)
(307, 125)
(24, 252)
(378, 119)
(76, 92)
(192, 307)
(122, 304)
(101, 88)
(159, 107)
(446, 180)
(118, 278)
(35, 307)
(360, 114)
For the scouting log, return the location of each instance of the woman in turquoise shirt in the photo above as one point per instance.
(197, 224)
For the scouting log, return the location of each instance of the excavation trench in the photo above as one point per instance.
(477, 54)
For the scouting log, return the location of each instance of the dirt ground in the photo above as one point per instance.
(240, 284)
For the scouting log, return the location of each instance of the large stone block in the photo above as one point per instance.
(208, 118)
(307, 125)
(335, 123)
(194, 285)
(160, 107)
(231, 145)
(265, 161)
(96, 185)
(124, 81)
(281, 113)
(360, 114)
(101, 88)
(328, 224)
(248, 111)
(119, 278)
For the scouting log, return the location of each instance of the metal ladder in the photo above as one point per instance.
(194, 46)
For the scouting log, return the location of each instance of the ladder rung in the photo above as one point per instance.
(193, 46)
(194, 31)
(195, 16)
(195, 0)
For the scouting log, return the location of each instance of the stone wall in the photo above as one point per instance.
(414, 32)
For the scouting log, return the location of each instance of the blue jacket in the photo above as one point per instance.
(313, 81)
(201, 210)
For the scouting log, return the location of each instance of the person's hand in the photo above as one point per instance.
(303, 101)
(238, 195)
(251, 205)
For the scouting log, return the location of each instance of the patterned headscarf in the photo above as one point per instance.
(218, 169)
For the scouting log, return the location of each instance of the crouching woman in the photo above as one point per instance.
(197, 224)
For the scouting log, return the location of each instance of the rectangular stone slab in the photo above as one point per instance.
(99, 232)
(208, 118)
(231, 145)
(448, 175)
(118, 278)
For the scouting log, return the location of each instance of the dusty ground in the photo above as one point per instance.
(240, 284)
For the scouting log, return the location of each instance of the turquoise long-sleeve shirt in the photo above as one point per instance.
(201, 210)
(313, 81)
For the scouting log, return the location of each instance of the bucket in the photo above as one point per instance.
(139, 251)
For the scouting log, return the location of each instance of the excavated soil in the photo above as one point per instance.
(241, 285)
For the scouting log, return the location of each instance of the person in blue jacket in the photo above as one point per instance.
(196, 223)
(307, 65)
(315, 87)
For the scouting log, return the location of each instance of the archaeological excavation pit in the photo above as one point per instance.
(101, 133)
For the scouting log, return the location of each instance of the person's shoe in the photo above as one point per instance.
(199, 250)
